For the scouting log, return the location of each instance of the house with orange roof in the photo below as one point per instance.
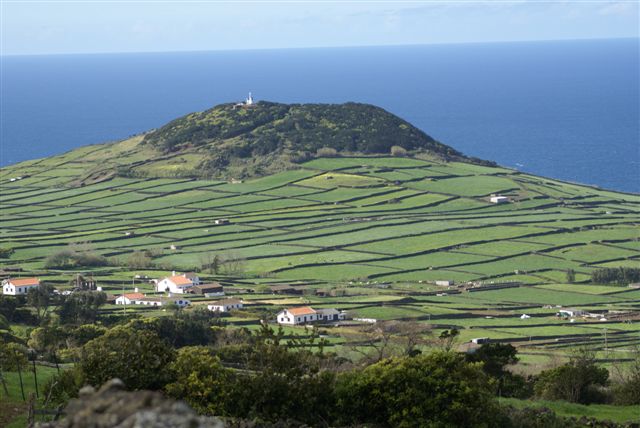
(129, 299)
(19, 286)
(296, 316)
(177, 284)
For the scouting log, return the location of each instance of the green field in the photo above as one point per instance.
(347, 225)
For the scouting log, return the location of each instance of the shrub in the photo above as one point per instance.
(326, 152)
(438, 389)
(398, 151)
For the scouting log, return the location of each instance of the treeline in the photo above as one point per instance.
(267, 377)
(620, 275)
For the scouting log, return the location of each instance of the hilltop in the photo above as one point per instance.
(240, 142)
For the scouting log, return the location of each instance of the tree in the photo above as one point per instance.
(12, 356)
(374, 342)
(627, 388)
(200, 380)
(139, 260)
(81, 307)
(447, 338)
(282, 381)
(40, 298)
(438, 389)
(232, 264)
(578, 381)
(139, 358)
(211, 263)
(571, 276)
(495, 357)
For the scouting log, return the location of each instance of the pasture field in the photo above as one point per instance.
(371, 235)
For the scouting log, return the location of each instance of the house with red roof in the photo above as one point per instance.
(177, 284)
(129, 299)
(19, 286)
(296, 316)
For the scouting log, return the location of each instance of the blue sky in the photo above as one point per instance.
(50, 27)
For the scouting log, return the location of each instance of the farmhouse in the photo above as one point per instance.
(208, 290)
(499, 199)
(480, 340)
(178, 284)
(128, 299)
(571, 313)
(18, 286)
(296, 316)
(225, 305)
(162, 301)
(445, 283)
(330, 314)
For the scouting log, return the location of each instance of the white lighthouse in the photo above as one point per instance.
(249, 100)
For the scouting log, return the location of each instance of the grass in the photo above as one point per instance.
(401, 221)
(620, 414)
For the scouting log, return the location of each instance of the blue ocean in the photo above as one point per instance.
(568, 110)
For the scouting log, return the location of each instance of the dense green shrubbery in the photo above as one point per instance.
(75, 255)
(580, 380)
(620, 275)
(293, 131)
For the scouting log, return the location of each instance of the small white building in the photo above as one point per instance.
(162, 301)
(330, 314)
(571, 313)
(19, 286)
(296, 316)
(129, 298)
(445, 283)
(480, 340)
(225, 305)
(525, 317)
(177, 284)
(499, 199)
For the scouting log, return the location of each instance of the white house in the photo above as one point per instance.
(18, 286)
(177, 284)
(225, 305)
(480, 340)
(570, 313)
(162, 301)
(499, 199)
(128, 299)
(330, 314)
(295, 316)
(525, 317)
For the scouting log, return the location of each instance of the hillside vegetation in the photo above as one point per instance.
(240, 142)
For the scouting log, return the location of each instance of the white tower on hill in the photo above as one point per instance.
(249, 100)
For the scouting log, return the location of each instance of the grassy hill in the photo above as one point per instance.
(346, 223)
(231, 141)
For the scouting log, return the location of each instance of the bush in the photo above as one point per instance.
(326, 152)
(579, 381)
(398, 151)
(438, 389)
(64, 386)
(140, 358)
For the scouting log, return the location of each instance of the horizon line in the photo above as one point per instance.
(320, 47)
